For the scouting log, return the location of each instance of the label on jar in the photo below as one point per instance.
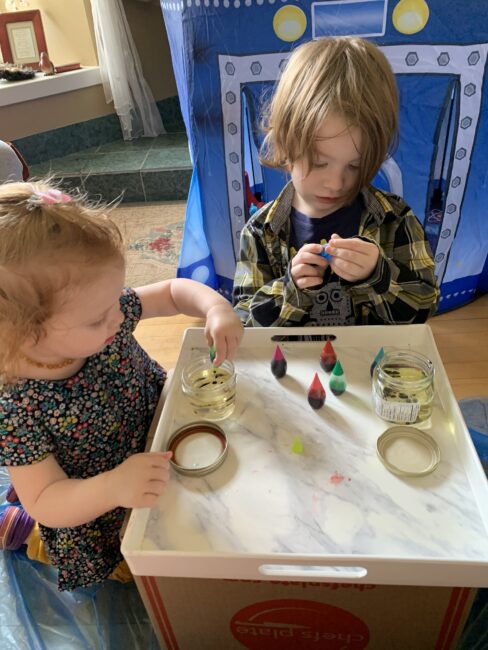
(396, 411)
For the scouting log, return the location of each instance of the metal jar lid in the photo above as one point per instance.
(407, 451)
(198, 448)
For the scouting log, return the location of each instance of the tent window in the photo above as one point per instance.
(445, 137)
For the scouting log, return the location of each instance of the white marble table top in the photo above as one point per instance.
(336, 498)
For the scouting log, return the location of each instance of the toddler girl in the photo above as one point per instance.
(77, 392)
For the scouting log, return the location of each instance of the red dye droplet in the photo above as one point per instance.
(316, 393)
(278, 363)
(336, 479)
(328, 357)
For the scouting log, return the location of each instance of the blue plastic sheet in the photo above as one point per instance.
(475, 413)
(34, 615)
(475, 633)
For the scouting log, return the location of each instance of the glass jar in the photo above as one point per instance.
(211, 390)
(403, 387)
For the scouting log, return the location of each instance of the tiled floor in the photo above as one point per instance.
(147, 169)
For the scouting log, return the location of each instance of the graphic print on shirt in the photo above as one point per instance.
(332, 306)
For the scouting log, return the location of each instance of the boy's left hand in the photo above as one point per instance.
(353, 259)
(224, 331)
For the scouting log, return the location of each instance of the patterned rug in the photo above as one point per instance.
(153, 233)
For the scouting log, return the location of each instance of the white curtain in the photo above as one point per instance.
(121, 72)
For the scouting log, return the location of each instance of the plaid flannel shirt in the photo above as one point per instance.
(401, 289)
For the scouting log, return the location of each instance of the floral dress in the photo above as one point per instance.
(91, 422)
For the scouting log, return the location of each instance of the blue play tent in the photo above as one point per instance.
(227, 55)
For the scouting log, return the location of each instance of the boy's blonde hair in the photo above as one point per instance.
(44, 249)
(345, 75)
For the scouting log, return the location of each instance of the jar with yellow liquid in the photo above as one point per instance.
(403, 387)
(211, 390)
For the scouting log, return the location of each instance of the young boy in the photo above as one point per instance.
(330, 125)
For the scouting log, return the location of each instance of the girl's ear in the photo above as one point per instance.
(30, 341)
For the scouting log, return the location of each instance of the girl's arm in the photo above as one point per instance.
(56, 501)
(180, 296)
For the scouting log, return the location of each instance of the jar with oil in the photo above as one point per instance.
(211, 390)
(403, 387)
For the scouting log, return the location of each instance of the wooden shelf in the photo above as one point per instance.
(14, 92)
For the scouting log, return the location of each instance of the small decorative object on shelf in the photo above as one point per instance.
(46, 65)
(67, 67)
(16, 5)
(22, 37)
(11, 72)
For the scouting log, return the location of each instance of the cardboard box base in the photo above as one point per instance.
(195, 614)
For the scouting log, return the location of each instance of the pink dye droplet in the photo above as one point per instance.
(278, 354)
(278, 363)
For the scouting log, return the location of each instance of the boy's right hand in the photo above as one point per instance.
(308, 267)
(140, 479)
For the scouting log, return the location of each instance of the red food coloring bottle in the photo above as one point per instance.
(316, 393)
(328, 357)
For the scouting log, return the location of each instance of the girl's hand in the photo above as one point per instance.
(224, 331)
(140, 479)
(352, 259)
(308, 267)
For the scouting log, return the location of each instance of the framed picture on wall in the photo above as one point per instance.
(22, 37)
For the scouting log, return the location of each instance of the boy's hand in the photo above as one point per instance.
(352, 259)
(224, 331)
(308, 267)
(140, 479)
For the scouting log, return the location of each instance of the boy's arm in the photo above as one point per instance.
(261, 297)
(402, 289)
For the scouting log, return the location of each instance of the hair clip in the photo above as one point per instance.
(50, 197)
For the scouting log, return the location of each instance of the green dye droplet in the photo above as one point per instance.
(337, 369)
(337, 386)
(212, 353)
(337, 383)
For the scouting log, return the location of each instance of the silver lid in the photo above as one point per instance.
(407, 451)
(198, 448)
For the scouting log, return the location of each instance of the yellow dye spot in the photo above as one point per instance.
(297, 445)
